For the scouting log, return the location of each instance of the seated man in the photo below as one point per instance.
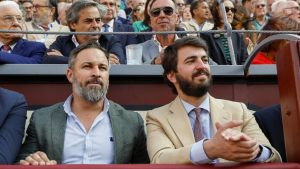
(196, 127)
(163, 17)
(87, 128)
(14, 49)
(84, 16)
(13, 109)
(270, 121)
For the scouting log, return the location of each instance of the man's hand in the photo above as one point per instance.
(54, 52)
(37, 158)
(231, 144)
(113, 59)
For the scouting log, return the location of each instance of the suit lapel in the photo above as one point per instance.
(116, 128)
(18, 47)
(180, 123)
(58, 126)
(218, 113)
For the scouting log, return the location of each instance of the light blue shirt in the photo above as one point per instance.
(93, 147)
(197, 154)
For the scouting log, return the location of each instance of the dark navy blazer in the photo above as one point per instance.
(13, 109)
(24, 52)
(270, 122)
(65, 45)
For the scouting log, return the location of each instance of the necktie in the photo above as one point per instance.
(197, 128)
(5, 48)
(106, 26)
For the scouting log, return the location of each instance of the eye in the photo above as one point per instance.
(205, 60)
(103, 68)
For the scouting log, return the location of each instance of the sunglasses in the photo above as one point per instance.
(167, 11)
(260, 6)
(227, 9)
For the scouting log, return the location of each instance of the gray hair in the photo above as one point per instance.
(73, 12)
(10, 4)
(277, 6)
(91, 44)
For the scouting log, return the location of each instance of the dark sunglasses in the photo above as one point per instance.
(167, 10)
(227, 9)
(260, 6)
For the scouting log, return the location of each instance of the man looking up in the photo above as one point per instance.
(196, 127)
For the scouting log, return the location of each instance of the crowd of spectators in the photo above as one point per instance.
(144, 16)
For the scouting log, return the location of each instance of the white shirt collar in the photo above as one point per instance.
(158, 43)
(68, 109)
(74, 40)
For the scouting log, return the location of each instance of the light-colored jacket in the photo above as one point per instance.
(192, 25)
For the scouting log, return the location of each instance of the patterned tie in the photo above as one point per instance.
(197, 129)
(106, 27)
(5, 48)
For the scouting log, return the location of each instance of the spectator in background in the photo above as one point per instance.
(163, 17)
(15, 49)
(84, 16)
(110, 24)
(260, 18)
(217, 42)
(276, 23)
(62, 8)
(180, 7)
(187, 16)
(288, 8)
(120, 12)
(27, 8)
(87, 128)
(143, 25)
(44, 19)
(196, 127)
(269, 7)
(137, 13)
(13, 110)
(200, 12)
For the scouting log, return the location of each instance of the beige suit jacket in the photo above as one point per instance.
(56, 27)
(170, 136)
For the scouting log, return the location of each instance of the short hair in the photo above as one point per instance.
(90, 44)
(170, 57)
(277, 6)
(194, 5)
(10, 4)
(73, 12)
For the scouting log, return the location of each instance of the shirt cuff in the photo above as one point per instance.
(198, 155)
(265, 154)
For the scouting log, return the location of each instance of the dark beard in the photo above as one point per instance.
(191, 89)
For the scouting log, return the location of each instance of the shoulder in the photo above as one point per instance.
(31, 43)
(232, 106)
(119, 110)
(160, 112)
(9, 94)
(46, 112)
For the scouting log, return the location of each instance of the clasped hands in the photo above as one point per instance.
(231, 144)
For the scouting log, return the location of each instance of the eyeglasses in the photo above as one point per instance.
(260, 6)
(10, 19)
(136, 10)
(227, 9)
(180, 4)
(167, 11)
(111, 4)
(37, 6)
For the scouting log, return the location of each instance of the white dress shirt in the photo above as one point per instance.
(93, 147)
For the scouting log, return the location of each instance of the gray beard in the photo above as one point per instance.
(92, 95)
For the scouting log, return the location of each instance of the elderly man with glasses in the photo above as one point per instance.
(15, 49)
(44, 14)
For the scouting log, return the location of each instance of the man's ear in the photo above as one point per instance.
(172, 77)
(72, 25)
(70, 75)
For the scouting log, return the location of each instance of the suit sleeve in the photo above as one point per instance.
(31, 142)
(36, 55)
(12, 131)
(251, 128)
(59, 44)
(115, 47)
(161, 150)
(140, 154)
(132, 39)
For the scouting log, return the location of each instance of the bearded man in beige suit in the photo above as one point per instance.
(223, 130)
